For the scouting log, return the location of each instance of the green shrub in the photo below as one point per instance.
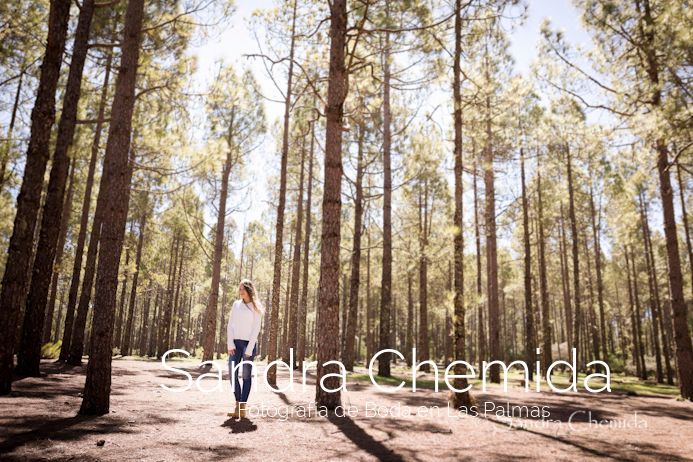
(51, 350)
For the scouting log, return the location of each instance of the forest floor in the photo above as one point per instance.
(40, 422)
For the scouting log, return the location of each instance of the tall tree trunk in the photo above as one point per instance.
(386, 279)
(144, 329)
(491, 249)
(577, 312)
(279, 231)
(598, 268)
(328, 315)
(121, 306)
(306, 250)
(355, 280)
(481, 337)
(565, 282)
(29, 354)
(116, 180)
(543, 284)
(210, 320)
(638, 324)
(529, 310)
(459, 399)
(423, 343)
(19, 251)
(684, 218)
(10, 129)
(66, 214)
(296, 262)
(682, 335)
(125, 351)
(84, 223)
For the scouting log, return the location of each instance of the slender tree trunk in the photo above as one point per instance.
(116, 180)
(66, 214)
(133, 289)
(638, 324)
(477, 238)
(19, 251)
(565, 280)
(210, 320)
(543, 284)
(144, 329)
(84, 224)
(355, 281)
(296, 262)
(529, 310)
(121, 306)
(459, 399)
(306, 250)
(598, 269)
(423, 343)
(684, 218)
(577, 312)
(491, 250)
(279, 232)
(386, 280)
(328, 316)
(10, 129)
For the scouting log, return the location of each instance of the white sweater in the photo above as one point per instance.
(244, 324)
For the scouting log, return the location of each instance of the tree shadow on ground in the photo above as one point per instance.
(244, 425)
(58, 430)
(362, 439)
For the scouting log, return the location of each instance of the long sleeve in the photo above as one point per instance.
(229, 330)
(255, 330)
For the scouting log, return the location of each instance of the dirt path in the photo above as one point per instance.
(149, 423)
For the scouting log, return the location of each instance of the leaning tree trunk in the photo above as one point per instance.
(29, 354)
(328, 309)
(20, 249)
(116, 180)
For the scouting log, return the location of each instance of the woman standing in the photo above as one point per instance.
(242, 332)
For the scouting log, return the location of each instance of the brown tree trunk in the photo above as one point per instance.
(481, 335)
(296, 262)
(301, 354)
(529, 310)
(423, 343)
(125, 350)
(70, 320)
(459, 399)
(116, 180)
(279, 231)
(29, 354)
(546, 357)
(66, 214)
(491, 250)
(577, 312)
(19, 252)
(598, 269)
(638, 324)
(328, 315)
(10, 128)
(121, 306)
(355, 280)
(210, 320)
(684, 218)
(386, 279)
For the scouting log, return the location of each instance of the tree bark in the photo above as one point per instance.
(20, 249)
(529, 311)
(459, 399)
(577, 312)
(125, 350)
(29, 354)
(116, 180)
(84, 225)
(328, 314)
(355, 280)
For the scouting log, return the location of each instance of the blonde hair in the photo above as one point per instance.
(250, 289)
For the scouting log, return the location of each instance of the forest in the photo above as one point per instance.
(381, 171)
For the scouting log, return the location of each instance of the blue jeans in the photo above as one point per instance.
(241, 394)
